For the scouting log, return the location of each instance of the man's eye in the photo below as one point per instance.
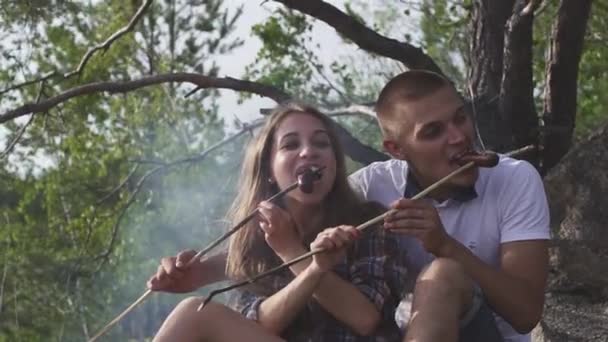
(431, 131)
(460, 118)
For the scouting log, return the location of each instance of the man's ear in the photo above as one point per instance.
(393, 149)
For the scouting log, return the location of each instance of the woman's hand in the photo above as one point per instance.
(279, 231)
(174, 276)
(334, 241)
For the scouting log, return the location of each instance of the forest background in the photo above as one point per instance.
(122, 124)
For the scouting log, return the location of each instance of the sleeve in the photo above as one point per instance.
(248, 304)
(359, 182)
(525, 213)
(378, 268)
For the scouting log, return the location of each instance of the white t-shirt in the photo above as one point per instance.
(510, 205)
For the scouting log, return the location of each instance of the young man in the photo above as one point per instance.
(477, 243)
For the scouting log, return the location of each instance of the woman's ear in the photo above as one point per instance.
(393, 149)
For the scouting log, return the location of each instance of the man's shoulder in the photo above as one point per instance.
(510, 170)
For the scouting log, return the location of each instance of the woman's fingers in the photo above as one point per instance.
(183, 258)
(336, 238)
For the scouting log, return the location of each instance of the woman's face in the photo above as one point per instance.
(301, 141)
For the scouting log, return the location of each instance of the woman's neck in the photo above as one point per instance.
(307, 218)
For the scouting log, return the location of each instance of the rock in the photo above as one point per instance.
(577, 189)
(576, 306)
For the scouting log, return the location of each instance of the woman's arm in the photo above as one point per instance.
(276, 312)
(357, 304)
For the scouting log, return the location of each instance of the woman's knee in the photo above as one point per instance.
(190, 306)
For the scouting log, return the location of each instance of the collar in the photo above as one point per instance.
(412, 188)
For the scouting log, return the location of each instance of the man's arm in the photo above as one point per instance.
(516, 291)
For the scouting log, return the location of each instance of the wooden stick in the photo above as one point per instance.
(196, 257)
(360, 227)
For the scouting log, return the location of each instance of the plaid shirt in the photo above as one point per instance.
(375, 265)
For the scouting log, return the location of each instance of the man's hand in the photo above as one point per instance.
(419, 219)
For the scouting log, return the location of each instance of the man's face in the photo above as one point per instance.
(435, 130)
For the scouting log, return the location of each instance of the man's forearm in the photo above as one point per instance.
(516, 299)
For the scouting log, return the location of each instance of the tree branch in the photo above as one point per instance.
(364, 37)
(106, 45)
(21, 131)
(87, 56)
(562, 78)
(199, 80)
(516, 101)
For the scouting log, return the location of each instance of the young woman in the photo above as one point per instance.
(346, 294)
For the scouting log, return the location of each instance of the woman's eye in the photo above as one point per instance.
(322, 143)
(290, 145)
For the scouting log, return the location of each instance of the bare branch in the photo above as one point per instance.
(114, 234)
(199, 80)
(3, 282)
(352, 109)
(120, 186)
(516, 101)
(165, 166)
(14, 142)
(562, 78)
(85, 59)
(43, 78)
(106, 45)
(364, 37)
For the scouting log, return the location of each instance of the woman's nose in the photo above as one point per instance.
(308, 151)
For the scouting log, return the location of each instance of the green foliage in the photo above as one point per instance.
(592, 85)
(74, 257)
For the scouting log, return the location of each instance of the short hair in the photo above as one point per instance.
(406, 87)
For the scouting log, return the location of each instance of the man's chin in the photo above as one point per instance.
(465, 179)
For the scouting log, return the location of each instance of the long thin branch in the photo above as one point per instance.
(163, 167)
(42, 78)
(199, 80)
(364, 37)
(87, 56)
(3, 282)
(14, 142)
(119, 186)
(106, 45)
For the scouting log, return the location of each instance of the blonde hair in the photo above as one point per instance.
(248, 253)
(406, 87)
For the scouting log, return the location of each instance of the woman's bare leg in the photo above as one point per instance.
(214, 323)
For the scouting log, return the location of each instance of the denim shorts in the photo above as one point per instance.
(476, 325)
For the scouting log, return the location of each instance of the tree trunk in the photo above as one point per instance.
(562, 78)
(486, 65)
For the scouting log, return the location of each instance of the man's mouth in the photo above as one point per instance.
(457, 156)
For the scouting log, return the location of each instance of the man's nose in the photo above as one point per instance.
(456, 134)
